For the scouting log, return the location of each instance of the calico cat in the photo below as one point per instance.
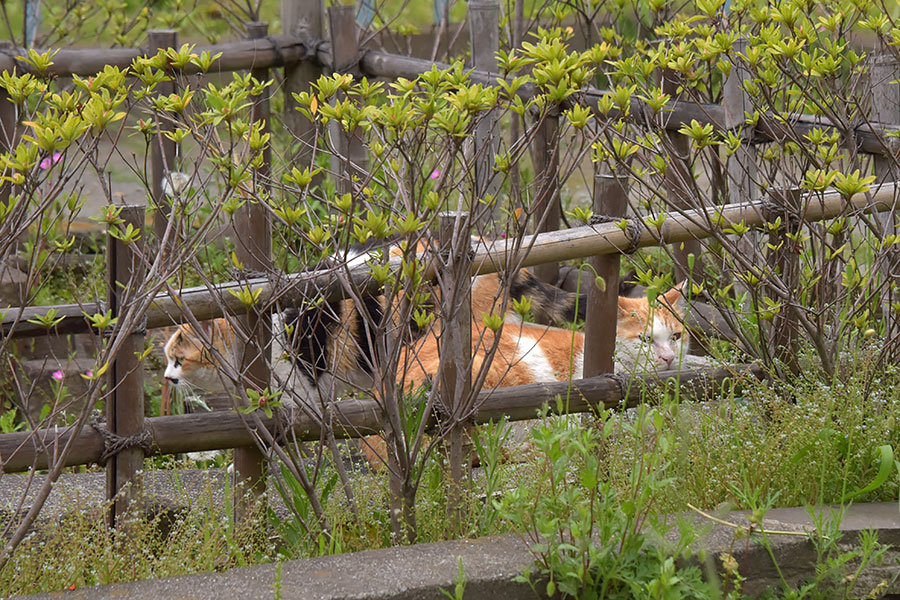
(329, 355)
(321, 352)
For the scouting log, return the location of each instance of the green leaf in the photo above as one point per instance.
(885, 468)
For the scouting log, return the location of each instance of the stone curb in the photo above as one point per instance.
(402, 573)
(491, 563)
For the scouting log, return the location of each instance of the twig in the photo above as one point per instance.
(751, 528)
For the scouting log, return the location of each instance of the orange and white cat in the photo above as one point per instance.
(329, 350)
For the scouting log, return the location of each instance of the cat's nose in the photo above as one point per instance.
(666, 358)
(173, 380)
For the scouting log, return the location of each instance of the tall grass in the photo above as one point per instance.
(812, 440)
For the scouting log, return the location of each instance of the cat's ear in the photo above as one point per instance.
(626, 307)
(675, 296)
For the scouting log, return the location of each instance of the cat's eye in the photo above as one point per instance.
(178, 362)
(676, 336)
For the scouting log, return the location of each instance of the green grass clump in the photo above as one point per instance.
(76, 549)
(812, 441)
(806, 442)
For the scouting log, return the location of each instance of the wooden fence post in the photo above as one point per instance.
(456, 345)
(7, 134)
(885, 71)
(484, 33)
(345, 54)
(261, 103)
(678, 176)
(737, 103)
(546, 186)
(610, 200)
(741, 167)
(125, 400)
(162, 149)
(785, 261)
(305, 19)
(253, 248)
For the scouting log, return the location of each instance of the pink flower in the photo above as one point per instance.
(89, 374)
(58, 375)
(435, 174)
(50, 161)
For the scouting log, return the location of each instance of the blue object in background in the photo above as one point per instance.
(32, 21)
(365, 14)
(439, 7)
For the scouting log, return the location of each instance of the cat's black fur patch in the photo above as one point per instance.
(549, 304)
(364, 335)
(312, 329)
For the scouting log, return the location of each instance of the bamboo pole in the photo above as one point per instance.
(275, 51)
(784, 260)
(884, 73)
(484, 36)
(577, 242)
(742, 167)
(309, 49)
(357, 417)
(870, 137)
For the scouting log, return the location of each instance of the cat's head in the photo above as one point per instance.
(652, 335)
(189, 356)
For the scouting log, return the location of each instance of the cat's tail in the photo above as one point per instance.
(549, 304)
(552, 305)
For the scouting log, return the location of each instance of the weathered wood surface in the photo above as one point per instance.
(304, 19)
(273, 51)
(356, 418)
(610, 200)
(125, 400)
(545, 154)
(253, 248)
(577, 242)
(162, 148)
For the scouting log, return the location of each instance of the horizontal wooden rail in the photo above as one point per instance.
(567, 244)
(869, 137)
(282, 50)
(272, 51)
(358, 417)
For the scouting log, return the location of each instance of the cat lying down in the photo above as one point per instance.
(328, 351)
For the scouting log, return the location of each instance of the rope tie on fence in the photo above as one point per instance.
(276, 48)
(632, 230)
(622, 382)
(113, 443)
(771, 209)
(247, 274)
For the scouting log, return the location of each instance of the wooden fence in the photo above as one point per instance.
(303, 52)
